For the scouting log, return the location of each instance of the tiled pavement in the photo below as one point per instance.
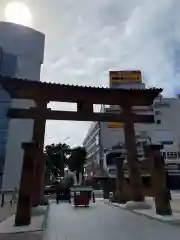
(100, 221)
(104, 222)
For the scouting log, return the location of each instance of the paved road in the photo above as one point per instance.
(104, 222)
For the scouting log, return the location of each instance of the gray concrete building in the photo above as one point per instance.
(165, 130)
(21, 56)
(4, 124)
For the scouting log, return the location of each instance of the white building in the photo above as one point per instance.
(165, 130)
(27, 47)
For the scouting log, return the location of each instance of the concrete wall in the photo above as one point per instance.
(28, 45)
(110, 136)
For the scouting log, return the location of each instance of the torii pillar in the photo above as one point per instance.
(23, 213)
(38, 137)
(130, 141)
(120, 180)
(158, 178)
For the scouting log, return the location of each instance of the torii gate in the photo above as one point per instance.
(85, 97)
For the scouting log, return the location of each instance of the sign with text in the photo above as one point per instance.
(124, 77)
(115, 125)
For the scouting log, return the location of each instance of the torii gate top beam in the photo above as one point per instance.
(26, 89)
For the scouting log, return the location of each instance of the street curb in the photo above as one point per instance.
(44, 223)
(174, 223)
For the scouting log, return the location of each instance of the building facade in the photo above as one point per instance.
(4, 124)
(22, 54)
(92, 143)
(165, 130)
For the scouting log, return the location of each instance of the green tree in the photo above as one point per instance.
(77, 160)
(56, 158)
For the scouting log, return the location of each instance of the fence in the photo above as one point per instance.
(7, 208)
(7, 198)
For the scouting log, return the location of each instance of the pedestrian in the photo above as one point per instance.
(2, 200)
(58, 192)
(68, 193)
(93, 197)
(111, 197)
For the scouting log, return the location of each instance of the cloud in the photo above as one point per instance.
(84, 39)
(105, 35)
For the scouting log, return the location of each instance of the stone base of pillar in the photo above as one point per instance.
(137, 198)
(135, 183)
(23, 213)
(162, 203)
(158, 177)
(38, 182)
(105, 193)
(23, 218)
(120, 181)
(105, 189)
(136, 194)
(120, 198)
(37, 197)
(131, 205)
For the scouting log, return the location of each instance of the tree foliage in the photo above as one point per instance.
(77, 160)
(60, 155)
(56, 156)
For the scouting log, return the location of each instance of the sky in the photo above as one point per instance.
(86, 38)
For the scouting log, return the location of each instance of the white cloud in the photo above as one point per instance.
(115, 34)
(84, 39)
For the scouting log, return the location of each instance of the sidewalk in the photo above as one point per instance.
(175, 204)
(101, 221)
(39, 215)
(151, 213)
(7, 210)
(35, 231)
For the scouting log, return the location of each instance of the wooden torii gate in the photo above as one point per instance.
(85, 97)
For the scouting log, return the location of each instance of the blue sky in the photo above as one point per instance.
(86, 38)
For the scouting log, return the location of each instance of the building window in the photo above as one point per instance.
(158, 121)
(111, 158)
(172, 155)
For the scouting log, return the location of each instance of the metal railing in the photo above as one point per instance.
(8, 198)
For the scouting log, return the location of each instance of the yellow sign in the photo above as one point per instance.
(115, 125)
(124, 77)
